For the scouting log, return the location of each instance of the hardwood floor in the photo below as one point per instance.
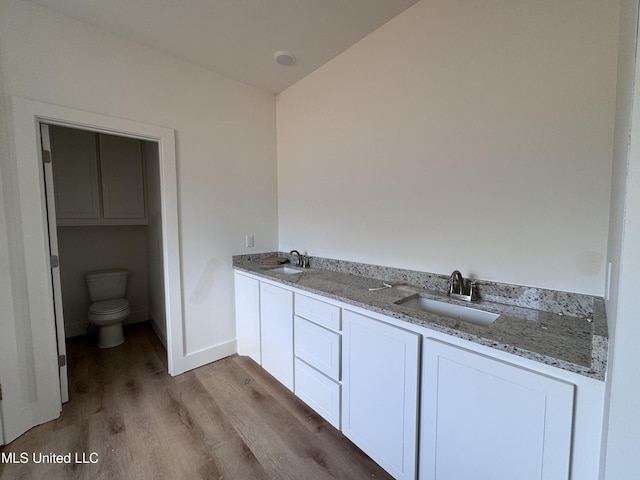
(227, 420)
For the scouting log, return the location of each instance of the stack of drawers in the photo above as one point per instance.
(317, 342)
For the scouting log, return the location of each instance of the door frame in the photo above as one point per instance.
(26, 116)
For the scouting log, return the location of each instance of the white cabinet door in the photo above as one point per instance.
(380, 365)
(276, 326)
(75, 174)
(484, 418)
(248, 316)
(122, 177)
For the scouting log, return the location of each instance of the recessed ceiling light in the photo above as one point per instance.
(284, 58)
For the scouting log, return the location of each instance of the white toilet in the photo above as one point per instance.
(108, 307)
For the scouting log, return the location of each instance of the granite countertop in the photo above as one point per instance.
(569, 342)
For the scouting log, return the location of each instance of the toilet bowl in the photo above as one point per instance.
(108, 316)
(109, 309)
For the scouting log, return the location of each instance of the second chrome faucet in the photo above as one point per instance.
(457, 288)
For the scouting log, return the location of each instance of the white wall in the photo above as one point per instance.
(461, 134)
(622, 419)
(225, 136)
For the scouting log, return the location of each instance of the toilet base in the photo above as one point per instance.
(110, 336)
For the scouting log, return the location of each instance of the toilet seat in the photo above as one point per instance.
(109, 311)
(108, 307)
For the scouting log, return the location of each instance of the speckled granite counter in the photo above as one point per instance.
(561, 329)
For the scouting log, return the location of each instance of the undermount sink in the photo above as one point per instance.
(284, 270)
(457, 312)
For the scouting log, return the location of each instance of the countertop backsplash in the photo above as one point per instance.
(561, 303)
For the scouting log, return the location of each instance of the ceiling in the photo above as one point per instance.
(237, 38)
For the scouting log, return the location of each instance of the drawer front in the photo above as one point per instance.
(317, 346)
(319, 392)
(317, 311)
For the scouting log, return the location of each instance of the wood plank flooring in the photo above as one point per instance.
(227, 420)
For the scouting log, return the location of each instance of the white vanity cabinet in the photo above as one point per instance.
(247, 301)
(276, 332)
(98, 178)
(380, 365)
(485, 418)
(317, 343)
(477, 411)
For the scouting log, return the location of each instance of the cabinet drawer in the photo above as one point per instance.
(318, 347)
(319, 392)
(319, 312)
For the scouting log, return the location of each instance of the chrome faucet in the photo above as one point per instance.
(299, 257)
(457, 287)
(456, 283)
(302, 260)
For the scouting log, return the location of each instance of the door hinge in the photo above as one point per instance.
(0, 391)
(62, 360)
(55, 261)
(46, 143)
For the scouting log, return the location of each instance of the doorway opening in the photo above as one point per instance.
(31, 392)
(104, 214)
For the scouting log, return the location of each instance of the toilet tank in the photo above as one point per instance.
(106, 284)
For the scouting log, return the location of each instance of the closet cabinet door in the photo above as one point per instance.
(122, 173)
(75, 174)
